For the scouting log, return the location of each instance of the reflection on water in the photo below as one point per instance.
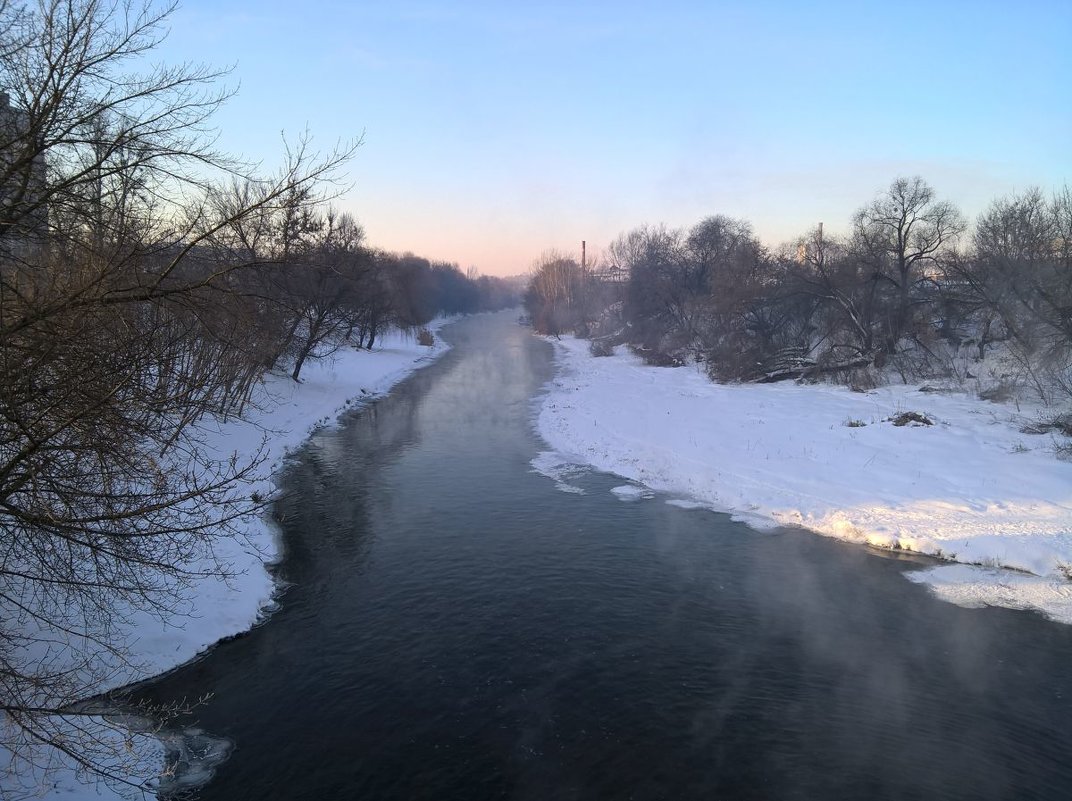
(458, 627)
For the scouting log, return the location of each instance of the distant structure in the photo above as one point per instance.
(23, 215)
(806, 248)
(611, 274)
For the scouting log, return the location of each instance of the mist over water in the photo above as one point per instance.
(457, 626)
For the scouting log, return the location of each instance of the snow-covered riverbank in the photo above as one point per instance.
(971, 488)
(281, 417)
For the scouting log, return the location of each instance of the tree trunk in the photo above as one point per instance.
(274, 358)
(302, 356)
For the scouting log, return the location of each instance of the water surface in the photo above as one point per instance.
(458, 628)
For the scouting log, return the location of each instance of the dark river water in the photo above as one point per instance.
(457, 628)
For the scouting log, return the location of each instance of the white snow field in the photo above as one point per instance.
(281, 417)
(971, 488)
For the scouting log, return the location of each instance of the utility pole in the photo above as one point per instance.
(582, 254)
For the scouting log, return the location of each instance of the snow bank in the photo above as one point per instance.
(281, 417)
(970, 488)
(283, 414)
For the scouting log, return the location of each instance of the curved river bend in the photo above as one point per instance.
(458, 628)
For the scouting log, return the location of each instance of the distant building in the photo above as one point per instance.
(23, 215)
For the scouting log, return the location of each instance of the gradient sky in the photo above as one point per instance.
(495, 131)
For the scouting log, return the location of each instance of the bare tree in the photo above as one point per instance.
(1018, 283)
(415, 289)
(325, 286)
(119, 318)
(656, 300)
(558, 294)
(901, 237)
(699, 293)
(824, 268)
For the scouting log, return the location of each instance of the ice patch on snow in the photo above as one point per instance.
(192, 758)
(755, 521)
(681, 503)
(977, 587)
(631, 492)
(559, 469)
(189, 756)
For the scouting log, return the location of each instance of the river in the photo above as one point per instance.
(456, 627)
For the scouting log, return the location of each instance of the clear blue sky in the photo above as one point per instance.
(494, 131)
